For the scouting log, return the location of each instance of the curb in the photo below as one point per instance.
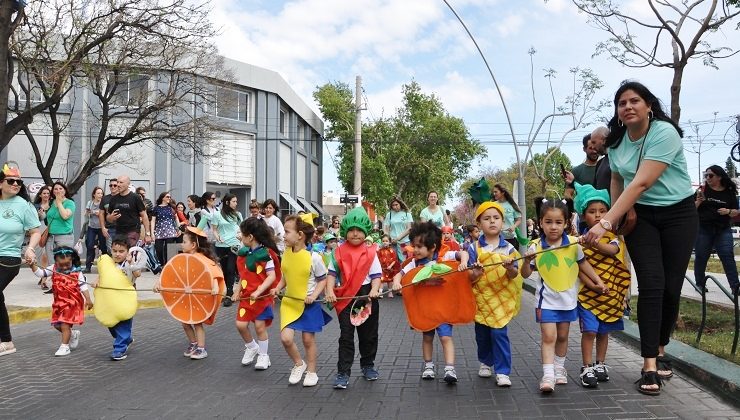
(711, 371)
(28, 314)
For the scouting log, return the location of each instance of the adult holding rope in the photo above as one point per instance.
(18, 217)
(649, 172)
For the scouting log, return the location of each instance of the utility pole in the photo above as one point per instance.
(358, 140)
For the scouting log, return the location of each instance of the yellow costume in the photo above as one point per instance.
(613, 272)
(113, 306)
(497, 297)
(558, 268)
(296, 267)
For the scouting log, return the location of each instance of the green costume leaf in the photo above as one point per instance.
(548, 260)
(569, 261)
(480, 192)
(254, 256)
(430, 271)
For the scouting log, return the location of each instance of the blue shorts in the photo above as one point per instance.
(444, 330)
(266, 314)
(590, 323)
(546, 316)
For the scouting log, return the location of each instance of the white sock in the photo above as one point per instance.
(263, 346)
(548, 369)
(449, 367)
(429, 365)
(559, 361)
(252, 344)
(64, 345)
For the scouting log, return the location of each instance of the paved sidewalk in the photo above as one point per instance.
(157, 382)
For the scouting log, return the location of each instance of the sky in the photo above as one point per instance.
(391, 42)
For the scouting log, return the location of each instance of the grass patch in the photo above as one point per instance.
(714, 265)
(718, 331)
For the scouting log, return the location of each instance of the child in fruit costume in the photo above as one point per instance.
(497, 291)
(71, 296)
(448, 238)
(357, 267)
(258, 263)
(557, 291)
(600, 314)
(116, 302)
(195, 241)
(304, 278)
(426, 239)
(389, 261)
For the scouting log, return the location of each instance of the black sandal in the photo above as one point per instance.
(646, 379)
(664, 364)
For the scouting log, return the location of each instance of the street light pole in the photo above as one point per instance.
(358, 140)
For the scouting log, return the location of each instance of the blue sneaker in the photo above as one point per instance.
(118, 356)
(341, 381)
(370, 373)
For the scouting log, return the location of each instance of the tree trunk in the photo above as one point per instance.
(5, 78)
(676, 92)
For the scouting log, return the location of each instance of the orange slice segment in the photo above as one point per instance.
(187, 288)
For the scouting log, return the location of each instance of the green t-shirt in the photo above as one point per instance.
(662, 144)
(584, 174)
(57, 225)
(16, 217)
(437, 217)
(227, 229)
(510, 216)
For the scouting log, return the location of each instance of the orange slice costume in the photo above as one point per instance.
(250, 280)
(187, 284)
(431, 305)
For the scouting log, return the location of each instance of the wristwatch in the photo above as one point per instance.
(606, 224)
(148, 234)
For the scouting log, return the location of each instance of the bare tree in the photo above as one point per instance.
(685, 25)
(147, 66)
(11, 16)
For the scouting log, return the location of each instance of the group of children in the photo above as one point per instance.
(350, 276)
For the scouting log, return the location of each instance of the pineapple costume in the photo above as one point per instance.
(497, 297)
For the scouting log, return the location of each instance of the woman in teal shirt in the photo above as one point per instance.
(433, 212)
(225, 227)
(649, 172)
(60, 219)
(397, 225)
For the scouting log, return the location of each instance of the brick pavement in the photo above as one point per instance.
(157, 382)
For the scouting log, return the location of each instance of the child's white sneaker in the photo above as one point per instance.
(63, 350)
(296, 373)
(74, 340)
(263, 362)
(249, 354)
(503, 380)
(311, 379)
(485, 371)
(561, 375)
(428, 372)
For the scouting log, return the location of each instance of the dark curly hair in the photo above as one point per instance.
(429, 235)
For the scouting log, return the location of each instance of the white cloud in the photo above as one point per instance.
(510, 25)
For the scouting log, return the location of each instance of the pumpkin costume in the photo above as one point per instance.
(253, 266)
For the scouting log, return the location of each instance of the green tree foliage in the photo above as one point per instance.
(420, 148)
(552, 186)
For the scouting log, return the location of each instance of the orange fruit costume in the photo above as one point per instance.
(429, 305)
(252, 272)
(187, 285)
(389, 261)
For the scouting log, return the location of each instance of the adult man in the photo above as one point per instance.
(108, 228)
(126, 210)
(141, 191)
(603, 174)
(584, 173)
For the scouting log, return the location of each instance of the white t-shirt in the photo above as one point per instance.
(318, 272)
(49, 271)
(376, 270)
(546, 298)
(278, 229)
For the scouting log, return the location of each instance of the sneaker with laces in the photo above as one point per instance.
(63, 350)
(249, 355)
(118, 356)
(263, 362)
(485, 371)
(428, 372)
(561, 375)
(450, 375)
(7, 347)
(296, 373)
(370, 373)
(74, 340)
(503, 380)
(311, 379)
(191, 348)
(341, 381)
(547, 384)
(601, 371)
(588, 377)
(199, 353)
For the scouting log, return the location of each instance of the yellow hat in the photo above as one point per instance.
(307, 217)
(488, 205)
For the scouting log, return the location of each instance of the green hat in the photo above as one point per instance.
(356, 218)
(328, 237)
(587, 194)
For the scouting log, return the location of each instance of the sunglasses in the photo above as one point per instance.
(709, 176)
(113, 185)
(13, 181)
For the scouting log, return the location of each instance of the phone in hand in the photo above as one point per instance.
(116, 211)
(562, 170)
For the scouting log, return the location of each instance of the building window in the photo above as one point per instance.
(233, 104)
(28, 82)
(315, 145)
(301, 136)
(283, 122)
(132, 89)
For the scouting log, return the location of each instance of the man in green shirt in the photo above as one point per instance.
(586, 171)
